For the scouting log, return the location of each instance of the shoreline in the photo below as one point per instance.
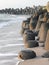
(11, 42)
(38, 60)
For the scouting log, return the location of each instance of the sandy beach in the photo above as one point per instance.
(38, 60)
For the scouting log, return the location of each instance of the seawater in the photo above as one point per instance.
(11, 41)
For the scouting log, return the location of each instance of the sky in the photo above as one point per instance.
(20, 3)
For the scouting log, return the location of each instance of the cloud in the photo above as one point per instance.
(20, 3)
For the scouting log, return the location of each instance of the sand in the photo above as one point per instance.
(38, 60)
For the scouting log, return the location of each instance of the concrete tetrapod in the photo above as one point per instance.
(37, 16)
(28, 35)
(26, 54)
(25, 25)
(43, 32)
(46, 55)
(47, 7)
(47, 42)
(33, 22)
(39, 23)
(31, 44)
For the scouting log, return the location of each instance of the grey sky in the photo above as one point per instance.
(21, 3)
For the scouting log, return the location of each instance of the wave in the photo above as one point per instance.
(8, 19)
(10, 45)
(8, 54)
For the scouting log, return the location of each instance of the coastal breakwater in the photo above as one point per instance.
(35, 31)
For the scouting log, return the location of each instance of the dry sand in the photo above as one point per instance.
(38, 60)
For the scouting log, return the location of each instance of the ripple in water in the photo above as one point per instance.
(11, 42)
